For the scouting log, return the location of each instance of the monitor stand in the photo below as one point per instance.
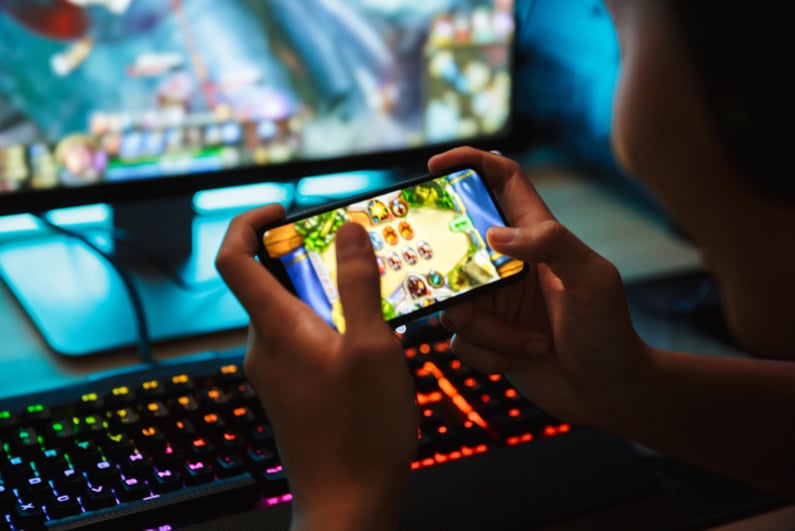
(80, 304)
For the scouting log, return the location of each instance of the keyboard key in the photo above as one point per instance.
(212, 423)
(151, 439)
(132, 488)
(152, 389)
(120, 397)
(98, 497)
(8, 420)
(215, 399)
(117, 446)
(85, 451)
(16, 468)
(274, 482)
(35, 488)
(28, 516)
(185, 405)
(59, 433)
(103, 473)
(231, 374)
(261, 457)
(136, 463)
(201, 448)
(88, 427)
(25, 442)
(197, 472)
(90, 403)
(70, 481)
(182, 430)
(36, 413)
(190, 503)
(156, 412)
(231, 442)
(229, 465)
(182, 384)
(125, 419)
(242, 416)
(166, 480)
(63, 505)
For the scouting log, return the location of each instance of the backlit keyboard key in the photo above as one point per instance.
(152, 390)
(197, 472)
(132, 488)
(165, 480)
(98, 497)
(181, 384)
(62, 505)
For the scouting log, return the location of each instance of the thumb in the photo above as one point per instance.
(547, 243)
(358, 281)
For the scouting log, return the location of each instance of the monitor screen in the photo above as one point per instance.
(120, 99)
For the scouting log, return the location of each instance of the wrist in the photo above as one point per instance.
(621, 407)
(340, 508)
(341, 513)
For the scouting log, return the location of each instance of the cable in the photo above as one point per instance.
(144, 342)
(123, 236)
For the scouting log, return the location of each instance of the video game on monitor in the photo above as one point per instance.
(104, 91)
(429, 240)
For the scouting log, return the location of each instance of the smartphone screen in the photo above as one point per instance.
(429, 237)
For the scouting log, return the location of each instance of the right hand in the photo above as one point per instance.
(564, 334)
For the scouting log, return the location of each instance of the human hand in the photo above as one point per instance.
(564, 334)
(341, 405)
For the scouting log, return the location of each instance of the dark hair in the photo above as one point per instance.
(744, 54)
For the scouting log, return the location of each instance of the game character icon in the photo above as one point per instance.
(399, 207)
(424, 249)
(394, 261)
(378, 211)
(435, 279)
(381, 265)
(410, 256)
(390, 235)
(406, 230)
(376, 240)
(417, 287)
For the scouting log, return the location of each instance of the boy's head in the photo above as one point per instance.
(703, 114)
(743, 56)
(732, 61)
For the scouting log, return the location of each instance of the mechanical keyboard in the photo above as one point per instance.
(182, 442)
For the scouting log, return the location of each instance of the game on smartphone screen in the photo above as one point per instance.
(429, 238)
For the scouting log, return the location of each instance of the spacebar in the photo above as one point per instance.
(174, 507)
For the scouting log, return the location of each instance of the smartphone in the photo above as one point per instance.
(429, 237)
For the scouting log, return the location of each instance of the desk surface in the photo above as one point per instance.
(637, 241)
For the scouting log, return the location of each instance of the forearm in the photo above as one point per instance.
(349, 509)
(347, 515)
(730, 415)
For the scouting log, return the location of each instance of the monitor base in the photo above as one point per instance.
(80, 305)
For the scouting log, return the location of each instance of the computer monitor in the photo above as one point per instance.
(141, 103)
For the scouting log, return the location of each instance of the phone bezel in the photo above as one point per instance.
(276, 268)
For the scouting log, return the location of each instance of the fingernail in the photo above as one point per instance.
(496, 152)
(501, 234)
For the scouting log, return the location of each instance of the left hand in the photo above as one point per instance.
(341, 405)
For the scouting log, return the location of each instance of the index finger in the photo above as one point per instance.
(256, 289)
(514, 191)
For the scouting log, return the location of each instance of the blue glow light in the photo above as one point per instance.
(82, 215)
(236, 197)
(321, 188)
